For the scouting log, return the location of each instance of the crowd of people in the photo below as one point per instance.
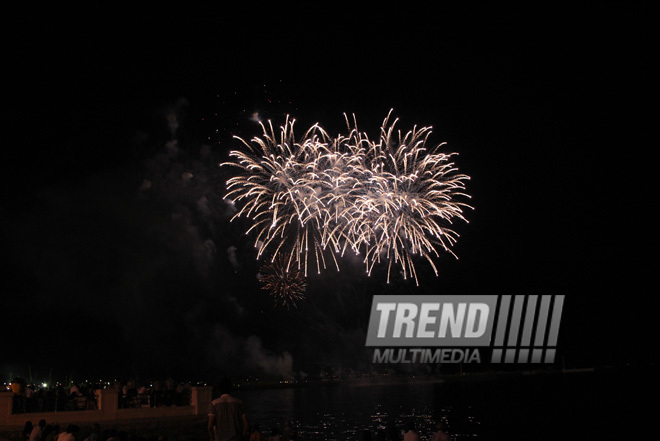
(29, 397)
(53, 432)
(227, 419)
(33, 398)
(44, 431)
(154, 394)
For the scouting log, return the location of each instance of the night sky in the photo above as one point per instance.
(118, 253)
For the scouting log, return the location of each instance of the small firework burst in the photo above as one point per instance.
(286, 283)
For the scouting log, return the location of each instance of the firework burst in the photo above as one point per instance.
(391, 200)
(286, 284)
(408, 198)
(285, 185)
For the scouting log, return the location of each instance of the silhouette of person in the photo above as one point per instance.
(439, 434)
(38, 431)
(256, 434)
(226, 418)
(410, 434)
(27, 430)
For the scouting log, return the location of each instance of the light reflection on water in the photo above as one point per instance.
(344, 412)
(502, 407)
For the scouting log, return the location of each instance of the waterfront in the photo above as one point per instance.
(483, 407)
(581, 405)
(578, 405)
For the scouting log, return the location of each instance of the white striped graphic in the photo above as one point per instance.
(529, 324)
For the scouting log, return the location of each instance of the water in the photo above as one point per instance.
(344, 411)
(549, 406)
(579, 406)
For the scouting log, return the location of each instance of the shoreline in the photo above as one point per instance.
(392, 379)
(192, 427)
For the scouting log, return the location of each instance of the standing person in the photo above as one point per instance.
(27, 430)
(275, 434)
(256, 434)
(439, 434)
(288, 431)
(410, 434)
(18, 387)
(227, 420)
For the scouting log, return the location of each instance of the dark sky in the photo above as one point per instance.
(119, 258)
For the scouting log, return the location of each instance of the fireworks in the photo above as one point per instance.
(390, 200)
(286, 284)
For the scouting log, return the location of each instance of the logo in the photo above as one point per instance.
(455, 328)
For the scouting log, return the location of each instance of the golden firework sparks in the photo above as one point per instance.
(391, 199)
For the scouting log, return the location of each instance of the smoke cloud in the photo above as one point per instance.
(271, 364)
(231, 253)
(234, 355)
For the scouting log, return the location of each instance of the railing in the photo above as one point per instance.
(53, 402)
(57, 401)
(106, 407)
(133, 399)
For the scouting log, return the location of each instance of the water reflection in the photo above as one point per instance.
(344, 412)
